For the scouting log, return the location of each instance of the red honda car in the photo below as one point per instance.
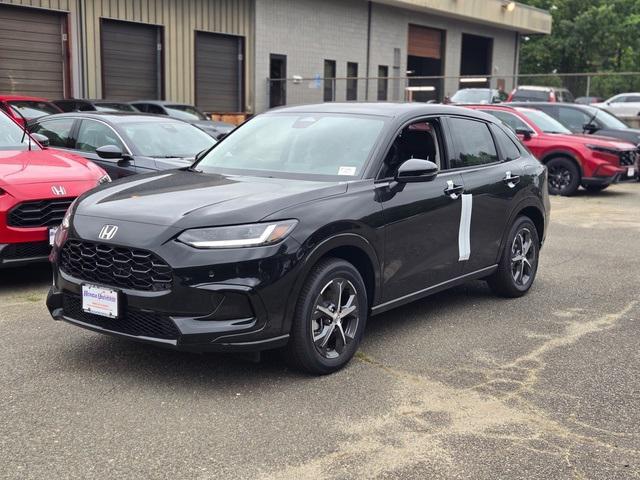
(36, 188)
(18, 106)
(572, 160)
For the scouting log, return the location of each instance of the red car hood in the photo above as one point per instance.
(593, 140)
(39, 166)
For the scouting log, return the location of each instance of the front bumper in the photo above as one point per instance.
(19, 254)
(601, 181)
(242, 310)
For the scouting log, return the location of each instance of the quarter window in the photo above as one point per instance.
(57, 131)
(473, 143)
(93, 135)
(508, 147)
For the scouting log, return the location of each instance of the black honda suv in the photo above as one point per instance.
(301, 224)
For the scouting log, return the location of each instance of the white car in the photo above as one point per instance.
(622, 105)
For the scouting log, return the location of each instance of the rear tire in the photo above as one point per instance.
(564, 176)
(518, 264)
(330, 318)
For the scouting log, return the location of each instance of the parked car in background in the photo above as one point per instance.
(37, 185)
(350, 210)
(622, 105)
(80, 105)
(125, 143)
(532, 93)
(572, 160)
(477, 95)
(588, 100)
(19, 106)
(188, 113)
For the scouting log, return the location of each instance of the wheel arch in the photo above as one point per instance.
(563, 154)
(350, 247)
(532, 209)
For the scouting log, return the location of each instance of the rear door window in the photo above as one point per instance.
(58, 131)
(472, 143)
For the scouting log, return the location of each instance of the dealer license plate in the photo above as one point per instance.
(100, 301)
(631, 172)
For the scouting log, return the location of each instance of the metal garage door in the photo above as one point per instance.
(131, 61)
(219, 72)
(32, 52)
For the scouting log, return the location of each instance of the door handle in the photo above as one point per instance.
(511, 180)
(453, 190)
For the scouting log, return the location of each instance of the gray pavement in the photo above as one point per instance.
(459, 385)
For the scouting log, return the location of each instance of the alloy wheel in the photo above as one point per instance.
(523, 258)
(559, 177)
(335, 317)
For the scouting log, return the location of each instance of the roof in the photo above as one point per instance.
(159, 102)
(521, 18)
(385, 109)
(116, 117)
(22, 97)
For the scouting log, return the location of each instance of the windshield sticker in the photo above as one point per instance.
(347, 171)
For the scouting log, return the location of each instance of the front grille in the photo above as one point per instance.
(628, 157)
(26, 250)
(40, 213)
(131, 321)
(115, 266)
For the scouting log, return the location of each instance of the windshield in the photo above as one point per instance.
(33, 109)
(169, 139)
(185, 112)
(114, 107)
(11, 136)
(473, 95)
(605, 119)
(308, 144)
(545, 122)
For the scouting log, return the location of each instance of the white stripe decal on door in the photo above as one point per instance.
(464, 235)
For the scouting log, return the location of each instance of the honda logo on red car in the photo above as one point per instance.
(58, 190)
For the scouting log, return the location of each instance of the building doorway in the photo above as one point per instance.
(476, 60)
(278, 83)
(425, 59)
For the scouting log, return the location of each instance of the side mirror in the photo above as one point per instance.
(41, 139)
(109, 152)
(416, 170)
(590, 127)
(525, 132)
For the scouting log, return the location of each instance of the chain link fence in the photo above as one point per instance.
(301, 90)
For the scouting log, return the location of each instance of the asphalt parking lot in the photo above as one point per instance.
(460, 385)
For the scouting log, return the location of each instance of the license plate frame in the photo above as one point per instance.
(631, 171)
(102, 301)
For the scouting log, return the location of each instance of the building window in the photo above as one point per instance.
(352, 81)
(278, 80)
(329, 80)
(383, 82)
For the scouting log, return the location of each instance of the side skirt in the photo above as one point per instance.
(383, 307)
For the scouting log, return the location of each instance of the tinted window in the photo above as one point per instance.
(185, 112)
(509, 119)
(57, 131)
(508, 147)
(473, 143)
(573, 118)
(156, 109)
(567, 96)
(530, 96)
(92, 135)
(632, 99)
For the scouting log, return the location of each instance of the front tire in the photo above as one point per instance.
(518, 264)
(330, 318)
(564, 176)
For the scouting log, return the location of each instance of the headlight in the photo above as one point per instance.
(234, 236)
(599, 148)
(66, 220)
(104, 179)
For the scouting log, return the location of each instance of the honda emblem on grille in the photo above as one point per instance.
(58, 190)
(108, 232)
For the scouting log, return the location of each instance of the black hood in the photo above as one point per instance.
(628, 134)
(185, 199)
